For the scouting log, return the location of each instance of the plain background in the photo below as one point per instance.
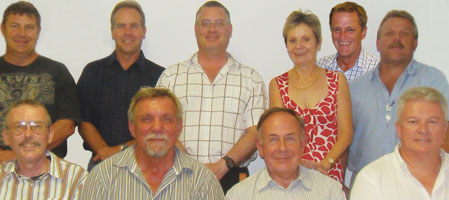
(76, 32)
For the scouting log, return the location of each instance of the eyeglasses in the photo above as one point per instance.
(219, 24)
(37, 127)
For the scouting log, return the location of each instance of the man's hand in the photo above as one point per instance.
(322, 166)
(106, 152)
(219, 168)
(7, 155)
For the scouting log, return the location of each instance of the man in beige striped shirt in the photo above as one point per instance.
(36, 173)
(153, 168)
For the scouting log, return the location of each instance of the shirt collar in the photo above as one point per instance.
(181, 162)
(127, 160)
(410, 69)
(228, 66)
(55, 166)
(266, 181)
(140, 61)
(444, 159)
(358, 63)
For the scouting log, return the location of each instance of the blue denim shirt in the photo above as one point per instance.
(374, 135)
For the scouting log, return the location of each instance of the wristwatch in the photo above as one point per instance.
(123, 147)
(229, 162)
(331, 161)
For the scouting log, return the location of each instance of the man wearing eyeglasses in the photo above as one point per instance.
(35, 173)
(222, 99)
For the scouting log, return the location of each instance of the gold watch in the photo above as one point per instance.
(123, 147)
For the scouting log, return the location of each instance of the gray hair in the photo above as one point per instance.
(274, 110)
(401, 14)
(29, 102)
(421, 93)
(149, 92)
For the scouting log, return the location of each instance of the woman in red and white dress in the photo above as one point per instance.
(320, 96)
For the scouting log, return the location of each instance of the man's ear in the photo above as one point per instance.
(51, 134)
(398, 130)
(132, 129)
(5, 137)
(259, 147)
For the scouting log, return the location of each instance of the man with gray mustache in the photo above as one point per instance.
(375, 94)
(36, 172)
(153, 168)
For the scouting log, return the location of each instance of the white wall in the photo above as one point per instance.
(76, 32)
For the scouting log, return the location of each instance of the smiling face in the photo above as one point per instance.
(21, 33)
(213, 30)
(347, 34)
(421, 127)
(281, 145)
(396, 42)
(29, 146)
(302, 45)
(128, 31)
(156, 127)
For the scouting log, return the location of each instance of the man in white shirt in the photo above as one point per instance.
(281, 144)
(418, 168)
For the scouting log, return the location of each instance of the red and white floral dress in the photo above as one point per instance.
(320, 122)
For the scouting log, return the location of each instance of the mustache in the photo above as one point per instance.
(29, 141)
(156, 136)
(395, 45)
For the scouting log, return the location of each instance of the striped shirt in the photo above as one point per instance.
(310, 184)
(64, 180)
(365, 62)
(119, 177)
(215, 114)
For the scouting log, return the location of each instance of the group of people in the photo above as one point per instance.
(189, 131)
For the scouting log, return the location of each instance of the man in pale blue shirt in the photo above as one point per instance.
(374, 95)
(280, 142)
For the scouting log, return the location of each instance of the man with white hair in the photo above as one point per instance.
(153, 168)
(418, 168)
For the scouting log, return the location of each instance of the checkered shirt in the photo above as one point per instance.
(365, 62)
(215, 115)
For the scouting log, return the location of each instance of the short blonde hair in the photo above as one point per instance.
(149, 92)
(298, 17)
